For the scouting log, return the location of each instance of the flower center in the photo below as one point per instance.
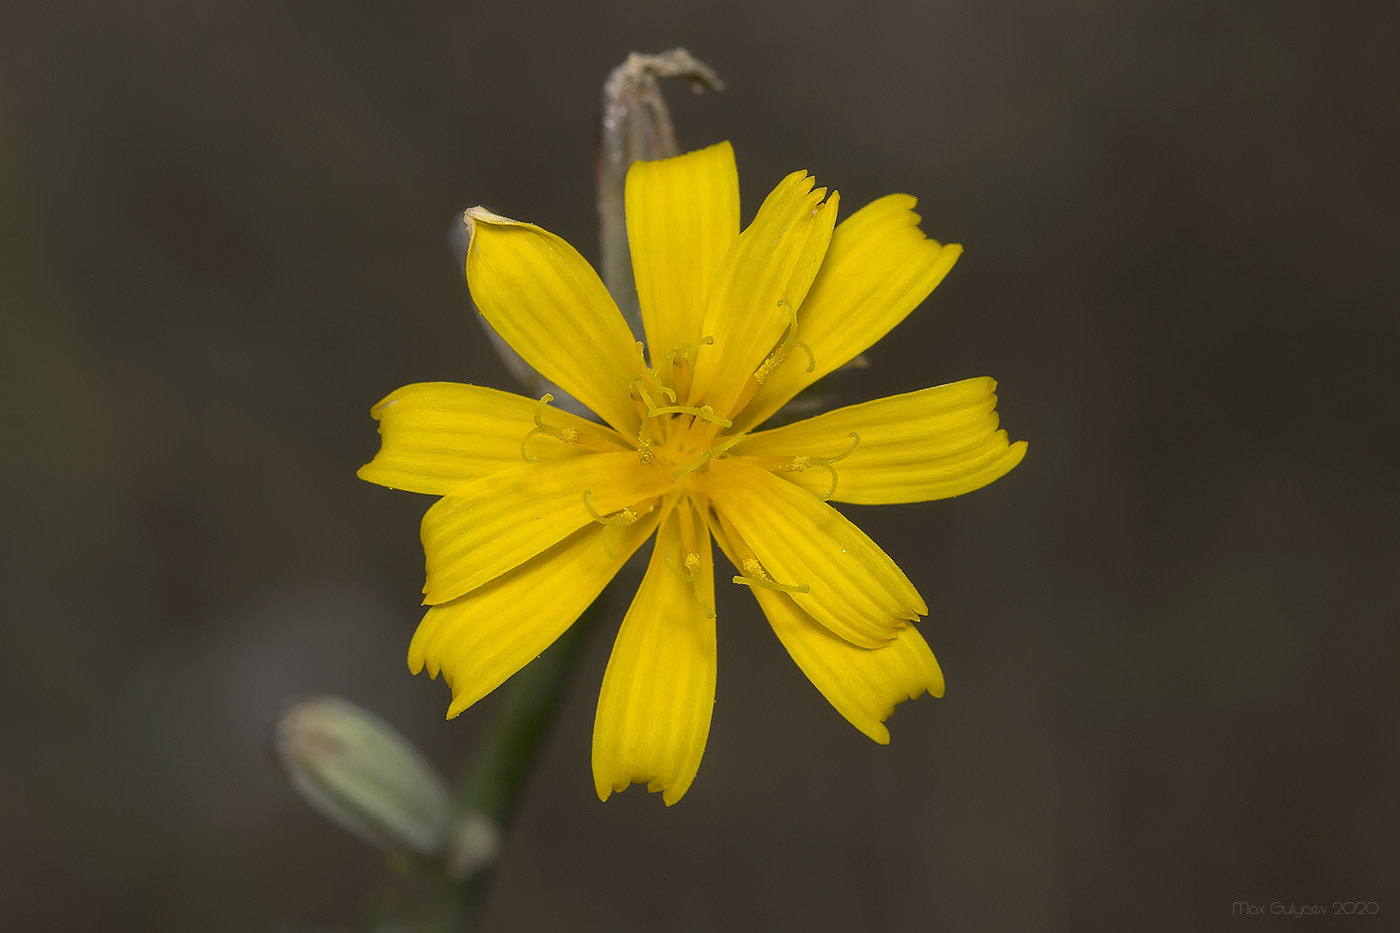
(681, 439)
(683, 442)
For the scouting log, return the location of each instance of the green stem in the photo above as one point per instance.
(501, 765)
(533, 696)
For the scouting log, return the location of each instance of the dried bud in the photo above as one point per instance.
(636, 124)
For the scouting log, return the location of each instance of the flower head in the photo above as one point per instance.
(540, 508)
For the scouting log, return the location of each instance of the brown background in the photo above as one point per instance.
(1170, 635)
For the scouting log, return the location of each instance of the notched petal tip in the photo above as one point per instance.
(658, 694)
(671, 793)
(800, 178)
(864, 686)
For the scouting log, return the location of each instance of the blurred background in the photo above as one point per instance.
(1170, 635)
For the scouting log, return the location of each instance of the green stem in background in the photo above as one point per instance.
(491, 789)
(502, 762)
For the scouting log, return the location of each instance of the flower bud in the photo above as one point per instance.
(359, 772)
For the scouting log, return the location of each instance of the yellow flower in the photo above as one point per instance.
(541, 508)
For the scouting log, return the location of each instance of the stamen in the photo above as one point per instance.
(760, 578)
(704, 412)
(566, 435)
(646, 397)
(683, 352)
(775, 359)
(588, 504)
(679, 364)
(646, 376)
(770, 585)
(624, 519)
(811, 357)
(692, 563)
(855, 442)
(798, 464)
(709, 455)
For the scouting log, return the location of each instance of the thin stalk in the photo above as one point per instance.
(501, 765)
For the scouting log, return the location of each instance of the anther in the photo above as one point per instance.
(565, 435)
(692, 563)
(679, 364)
(775, 359)
(759, 577)
(798, 464)
(624, 519)
(687, 577)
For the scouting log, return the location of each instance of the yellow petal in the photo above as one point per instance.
(436, 436)
(863, 684)
(479, 640)
(682, 217)
(914, 447)
(773, 260)
(879, 268)
(856, 590)
(495, 524)
(659, 690)
(546, 301)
